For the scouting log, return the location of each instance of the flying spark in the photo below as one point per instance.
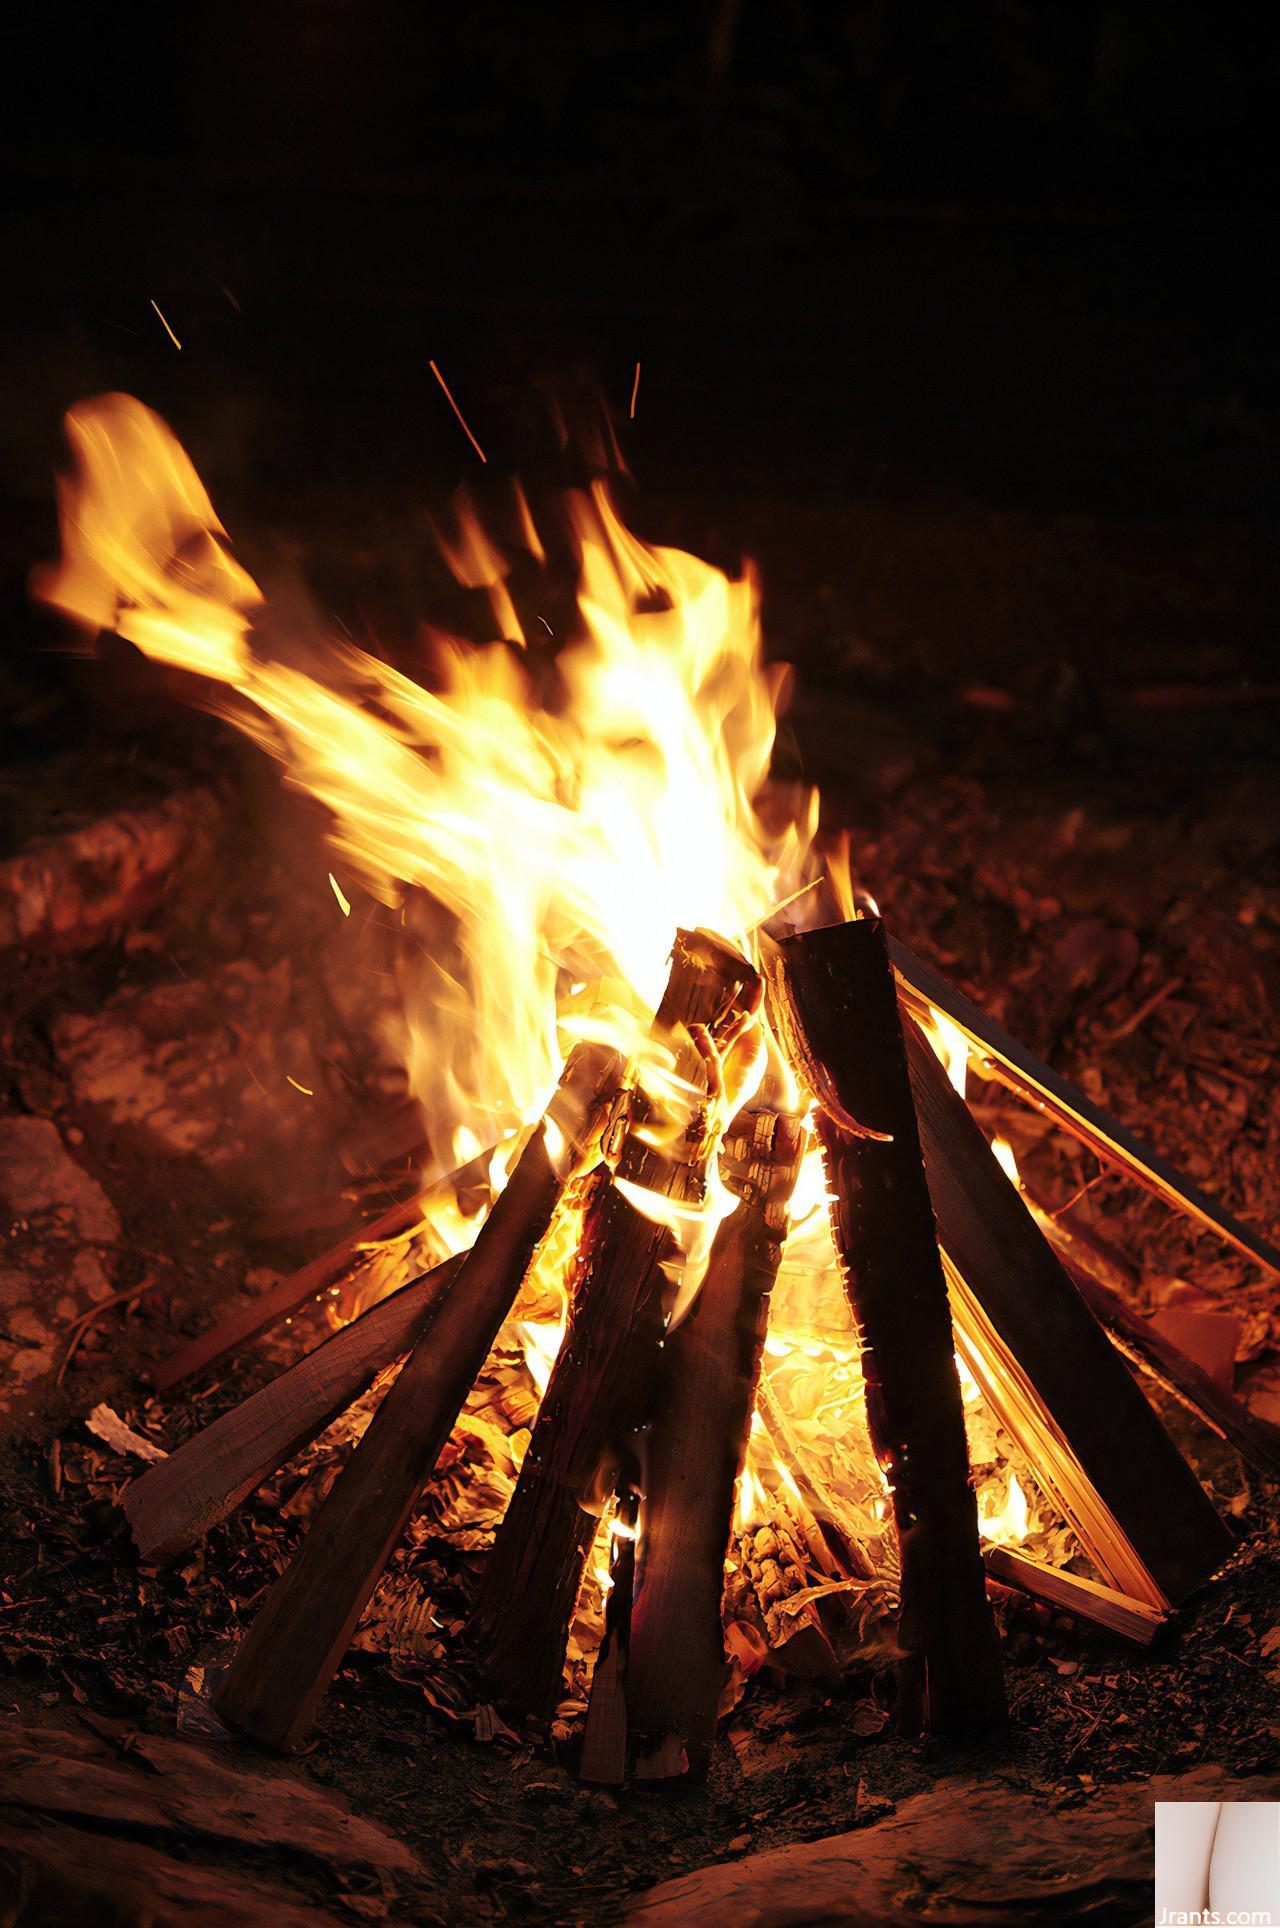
(167, 329)
(457, 411)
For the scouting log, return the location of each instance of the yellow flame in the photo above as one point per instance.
(751, 1505)
(1005, 1524)
(1005, 1158)
(543, 826)
(950, 1045)
(539, 831)
(541, 1344)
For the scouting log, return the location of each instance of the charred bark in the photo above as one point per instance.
(600, 1383)
(836, 1005)
(694, 1454)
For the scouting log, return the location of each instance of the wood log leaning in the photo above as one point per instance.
(176, 1501)
(1050, 1371)
(923, 988)
(1101, 1606)
(694, 1451)
(600, 1383)
(835, 1006)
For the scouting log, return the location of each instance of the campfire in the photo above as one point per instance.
(809, 1375)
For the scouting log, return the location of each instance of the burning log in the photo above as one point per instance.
(1085, 1599)
(600, 1382)
(1050, 1372)
(290, 1653)
(923, 989)
(254, 1317)
(593, 1398)
(694, 1454)
(835, 1003)
(179, 1499)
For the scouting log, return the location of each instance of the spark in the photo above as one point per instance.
(234, 303)
(167, 329)
(343, 905)
(635, 390)
(306, 1090)
(457, 411)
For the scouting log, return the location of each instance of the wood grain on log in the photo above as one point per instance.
(835, 1005)
(177, 1501)
(1102, 1606)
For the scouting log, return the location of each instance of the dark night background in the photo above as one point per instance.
(960, 320)
(961, 314)
(996, 252)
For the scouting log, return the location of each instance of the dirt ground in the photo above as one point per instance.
(1053, 740)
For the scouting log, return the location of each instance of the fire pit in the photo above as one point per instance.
(809, 1375)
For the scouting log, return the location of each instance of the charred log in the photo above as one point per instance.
(694, 1454)
(1050, 1371)
(836, 1005)
(601, 1381)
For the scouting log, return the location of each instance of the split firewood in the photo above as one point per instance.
(621, 1294)
(1084, 1599)
(695, 1447)
(1050, 1373)
(923, 989)
(290, 1653)
(769, 1578)
(256, 1316)
(835, 1004)
(209, 1475)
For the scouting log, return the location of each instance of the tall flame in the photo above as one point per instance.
(566, 836)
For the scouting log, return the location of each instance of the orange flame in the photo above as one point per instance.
(566, 837)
